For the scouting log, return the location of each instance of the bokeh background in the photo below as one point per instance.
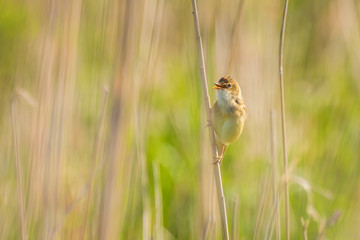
(102, 121)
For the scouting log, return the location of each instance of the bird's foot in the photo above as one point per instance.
(218, 160)
(208, 124)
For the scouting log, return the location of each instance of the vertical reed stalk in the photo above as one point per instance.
(283, 123)
(18, 170)
(275, 174)
(117, 121)
(234, 228)
(217, 172)
(94, 157)
(158, 203)
(262, 205)
(305, 225)
(234, 40)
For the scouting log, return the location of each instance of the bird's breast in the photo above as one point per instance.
(231, 130)
(228, 125)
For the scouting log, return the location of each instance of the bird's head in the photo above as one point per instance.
(229, 85)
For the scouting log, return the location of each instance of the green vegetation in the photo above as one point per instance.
(90, 175)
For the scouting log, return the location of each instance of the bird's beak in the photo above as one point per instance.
(218, 86)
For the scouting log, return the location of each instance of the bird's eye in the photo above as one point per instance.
(229, 85)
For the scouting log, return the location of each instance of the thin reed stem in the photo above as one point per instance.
(305, 225)
(275, 174)
(94, 157)
(275, 214)
(217, 172)
(117, 121)
(234, 228)
(283, 123)
(234, 45)
(262, 205)
(18, 170)
(158, 203)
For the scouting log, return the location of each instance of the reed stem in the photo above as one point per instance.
(217, 172)
(283, 122)
(18, 170)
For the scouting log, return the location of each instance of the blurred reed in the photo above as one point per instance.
(283, 122)
(130, 161)
(235, 223)
(18, 169)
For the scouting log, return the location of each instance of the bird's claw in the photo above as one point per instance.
(218, 160)
(208, 124)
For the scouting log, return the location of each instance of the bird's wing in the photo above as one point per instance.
(242, 107)
(217, 119)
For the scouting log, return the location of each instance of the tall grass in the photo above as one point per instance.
(18, 169)
(132, 161)
(283, 122)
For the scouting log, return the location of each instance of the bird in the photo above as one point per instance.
(228, 114)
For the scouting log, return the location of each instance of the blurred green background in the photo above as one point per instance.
(102, 100)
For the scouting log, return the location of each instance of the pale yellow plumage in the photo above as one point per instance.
(228, 114)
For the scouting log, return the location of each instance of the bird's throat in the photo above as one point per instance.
(225, 99)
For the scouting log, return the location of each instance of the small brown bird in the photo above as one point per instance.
(228, 114)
